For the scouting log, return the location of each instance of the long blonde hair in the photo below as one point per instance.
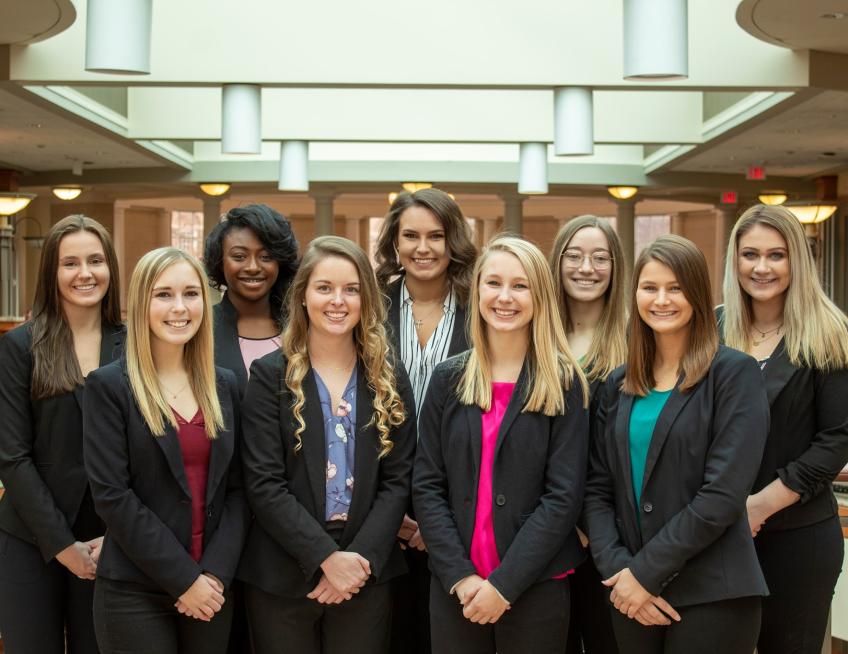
(815, 330)
(369, 338)
(551, 365)
(608, 348)
(198, 354)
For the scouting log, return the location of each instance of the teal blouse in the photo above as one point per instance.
(643, 419)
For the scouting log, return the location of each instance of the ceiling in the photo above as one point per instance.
(801, 25)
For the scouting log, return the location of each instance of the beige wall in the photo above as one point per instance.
(700, 228)
(144, 229)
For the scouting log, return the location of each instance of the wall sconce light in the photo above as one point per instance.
(622, 192)
(811, 214)
(214, 188)
(772, 198)
(67, 192)
(11, 202)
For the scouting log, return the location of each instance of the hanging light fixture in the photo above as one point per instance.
(11, 202)
(117, 36)
(533, 168)
(573, 121)
(241, 119)
(214, 189)
(772, 198)
(67, 192)
(811, 214)
(656, 39)
(622, 192)
(294, 166)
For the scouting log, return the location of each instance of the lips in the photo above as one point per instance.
(177, 324)
(336, 316)
(84, 287)
(505, 313)
(584, 283)
(664, 314)
(763, 282)
(424, 262)
(252, 281)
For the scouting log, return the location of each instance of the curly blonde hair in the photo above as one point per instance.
(369, 337)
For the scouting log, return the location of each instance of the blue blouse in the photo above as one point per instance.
(340, 438)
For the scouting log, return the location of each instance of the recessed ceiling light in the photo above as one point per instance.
(834, 15)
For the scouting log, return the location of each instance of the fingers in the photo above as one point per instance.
(650, 614)
(666, 608)
(612, 580)
(366, 566)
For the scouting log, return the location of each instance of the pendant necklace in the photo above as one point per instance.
(764, 335)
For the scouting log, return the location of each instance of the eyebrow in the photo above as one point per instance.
(193, 287)
(327, 281)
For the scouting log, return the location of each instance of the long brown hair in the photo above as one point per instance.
(689, 266)
(457, 238)
(608, 349)
(369, 338)
(55, 368)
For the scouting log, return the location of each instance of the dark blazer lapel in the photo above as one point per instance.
(622, 443)
(314, 448)
(516, 403)
(459, 342)
(673, 406)
(778, 372)
(365, 457)
(222, 447)
(473, 415)
(173, 454)
(227, 352)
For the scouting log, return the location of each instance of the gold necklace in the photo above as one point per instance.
(419, 322)
(765, 335)
(170, 392)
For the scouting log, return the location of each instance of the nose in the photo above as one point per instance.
(662, 296)
(761, 265)
(84, 270)
(179, 303)
(505, 295)
(586, 264)
(337, 296)
(422, 245)
(252, 263)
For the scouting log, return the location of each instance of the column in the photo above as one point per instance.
(324, 217)
(211, 212)
(625, 223)
(8, 270)
(513, 213)
(725, 220)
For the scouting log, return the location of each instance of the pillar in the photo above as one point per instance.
(725, 220)
(324, 217)
(8, 270)
(513, 213)
(211, 213)
(626, 227)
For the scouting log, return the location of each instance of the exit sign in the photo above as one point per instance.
(756, 173)
(729, 197)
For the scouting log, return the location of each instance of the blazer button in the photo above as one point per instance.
(647, 507)
(500, 500)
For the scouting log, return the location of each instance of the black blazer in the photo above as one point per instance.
(41, 463)
(227, 350)
(140, 489)
(538, 480)
(459, 338)
(691, 542)
(288, 541)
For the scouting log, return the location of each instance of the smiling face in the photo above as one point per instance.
(333, 301)
(660, 300)
(421, 244)
(249, 269)
(763, 263)
(83, 274)
(586, 265)
(506, 302)
(176, 305)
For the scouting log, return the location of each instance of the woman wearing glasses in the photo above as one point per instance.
(587, 262)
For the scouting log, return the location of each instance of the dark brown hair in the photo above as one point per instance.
(461, 249)
(55, 368)
(689, 266)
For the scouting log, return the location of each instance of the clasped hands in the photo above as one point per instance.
(409, 535)
(481, 602)
(203, 599)
(632, 600)
(344, 574)
(81, 557)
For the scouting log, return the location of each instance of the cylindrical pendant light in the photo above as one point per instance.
(294, 166)
(117, 36)
(656, 39)
(241, 119)
(574, 132)
(533, 169)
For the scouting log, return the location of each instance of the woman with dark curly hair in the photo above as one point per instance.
(252, 253)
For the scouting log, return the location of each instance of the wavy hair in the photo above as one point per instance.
(608, 348)
(551, 365)
(55, 368)
(369, 338)
(815, 330)
(460, 247)
(198, 354)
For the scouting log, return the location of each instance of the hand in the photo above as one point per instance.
(407, 529)
(77, 559)
(346, 571)
(467, 588)
(417, 541)
(758, 513)
(628, 595)
(326, 593)
(487, 606)
(95, 544)
(203, 599)
(584, 539)
(656, 611)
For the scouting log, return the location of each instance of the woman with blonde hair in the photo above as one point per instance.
(161, 452)
(50, 535)
(501, 465)
(331, 424)
(590, 274)
(776, 310)
(676, 443)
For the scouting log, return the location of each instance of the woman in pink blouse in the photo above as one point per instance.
(501, 465)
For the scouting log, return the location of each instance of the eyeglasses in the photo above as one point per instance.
(575, 259)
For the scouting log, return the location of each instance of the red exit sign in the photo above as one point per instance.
(729, 197)
(756, 173)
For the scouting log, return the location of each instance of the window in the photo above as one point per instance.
(187, 231)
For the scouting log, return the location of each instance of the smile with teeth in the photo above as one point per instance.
(176, 324)
(505, 313)
(336, 316)
(84, 287)
(424, 262)
(585, 282)
(252, 280)
(663, 314)
(762, 281)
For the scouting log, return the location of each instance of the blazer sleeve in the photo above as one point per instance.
(816, 468)
(139, 532)
(545, 530)
(221, 554)
(25, 488)
(276, 508)
(377, 536)
(448, 558)
(740, 426)
(609, 552)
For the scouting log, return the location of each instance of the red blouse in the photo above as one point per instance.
(196, 448)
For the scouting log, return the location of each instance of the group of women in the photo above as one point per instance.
(453, 453)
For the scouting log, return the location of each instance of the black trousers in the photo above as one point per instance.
(801, 567)
(41, 603)
(411, 606)
(132, 618)
(360, 625)
(536, 623)
(726, 627)
(590, 626)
